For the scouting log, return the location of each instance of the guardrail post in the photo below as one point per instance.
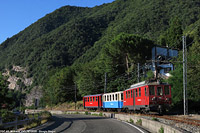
(16, 122)
(39, 121)
(1, 121)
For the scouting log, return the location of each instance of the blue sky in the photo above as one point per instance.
(16, 15)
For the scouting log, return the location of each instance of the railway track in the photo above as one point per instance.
(177, 119)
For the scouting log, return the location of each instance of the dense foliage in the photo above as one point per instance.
(193, 71)
(75, 46)
(9, 98)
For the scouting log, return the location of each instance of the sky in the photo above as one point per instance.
(16, 15)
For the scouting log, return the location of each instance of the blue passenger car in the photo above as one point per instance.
(113, 100)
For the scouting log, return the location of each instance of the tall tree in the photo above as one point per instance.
(120, 56)
(172, 37)
(60, 87)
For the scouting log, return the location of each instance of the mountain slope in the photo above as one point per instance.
(76, 34)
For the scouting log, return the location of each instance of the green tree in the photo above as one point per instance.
(193, 65)
(60, 87)
(120, 56)
(193, 74)
(3, 92)
(172, 37)
(89, 79)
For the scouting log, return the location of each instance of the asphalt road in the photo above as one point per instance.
(86, 124)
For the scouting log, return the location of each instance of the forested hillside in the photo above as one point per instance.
(76, 45)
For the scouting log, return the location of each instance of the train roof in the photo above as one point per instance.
(93, 95)
(144, 83)
(113, 92)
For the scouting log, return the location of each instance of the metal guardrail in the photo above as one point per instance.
(17, 122)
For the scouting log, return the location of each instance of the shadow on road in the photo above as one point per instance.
(58, 120)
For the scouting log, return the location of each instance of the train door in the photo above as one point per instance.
(134, 99)
(84, 102)
(98, 101)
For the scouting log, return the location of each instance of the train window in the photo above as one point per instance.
(166, 88)
(96, 98)
(113, 97)
(93, 99)
(136, 93)
(131, 93)
(139, 92)
(122, 96)
(145, 91)
(116, 97)
(90, 99)
(126, 94)
(107, 97)
(151, 90)
(159, 91)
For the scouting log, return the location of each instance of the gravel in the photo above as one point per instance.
(183, 126)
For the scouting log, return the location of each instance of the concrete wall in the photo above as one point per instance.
(151, 125)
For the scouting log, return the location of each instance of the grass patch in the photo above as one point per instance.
(67, 106)
(155, 119)
(131, 120)
(100, 114)
(95, 114)
(161, 130)
(39, 119)
(77, 112)
(139, 122)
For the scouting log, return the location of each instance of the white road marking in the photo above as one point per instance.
(132, 126)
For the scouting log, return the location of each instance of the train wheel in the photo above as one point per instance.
(126, 110)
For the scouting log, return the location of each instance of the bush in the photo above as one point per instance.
(100, 114)
(7, 116)
(131, 120)
(86, 112)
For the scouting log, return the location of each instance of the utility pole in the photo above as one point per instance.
(138, 72)
(185, 100)
(156, 76)
(75, 96)
(105, 87)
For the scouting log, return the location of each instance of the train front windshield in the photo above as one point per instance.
(159, 91)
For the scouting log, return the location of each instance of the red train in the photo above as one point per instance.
(142, 96)
(92, 101)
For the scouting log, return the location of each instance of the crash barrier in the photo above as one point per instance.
(17, 122)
